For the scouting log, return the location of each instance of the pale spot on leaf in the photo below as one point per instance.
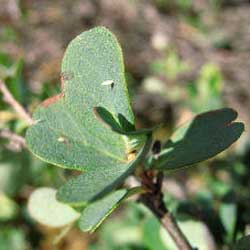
(61, 139)
(108, 83)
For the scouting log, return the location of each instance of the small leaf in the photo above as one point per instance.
(243, 243)
(94, 184)
(8, 208)
(205, 136)
(122, 126)
(13, 238)
(45, 209)
(228, 216)
(94, 214)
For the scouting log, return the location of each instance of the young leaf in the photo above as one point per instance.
(44, 208)
(94, 214)
(228, 216)
(66, 132)
(205, 136)
(94, 184)
(122, 127)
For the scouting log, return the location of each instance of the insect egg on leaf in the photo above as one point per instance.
(108, 83)
(61, 139)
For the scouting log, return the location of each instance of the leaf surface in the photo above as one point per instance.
(44, 208)
(205, 136)
(66, 132)
(94, 214)
(94, 184)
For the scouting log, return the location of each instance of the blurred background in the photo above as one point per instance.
(182, 57)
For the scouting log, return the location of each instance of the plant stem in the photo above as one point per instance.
(7, 134)
(153, 200)
(8, 98)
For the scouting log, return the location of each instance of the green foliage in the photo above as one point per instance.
(93, 184)
(205, 136)
(228, 212)
(243, 243)
(182, 5)
(96, 212)
(72, 137)
(152, 240)
(136, 228)
(122, 232)
(14, 171)
(8, 208)
(12, 238)
(12, 72)
(170, 66)
(205, 93)
(89, 127)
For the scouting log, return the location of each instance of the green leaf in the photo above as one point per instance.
(45, 209)
(205, 136)
(205, 93)
(14, 170)
(13, 237)
(243, 243)
(151, 234)
(122, 127)
(94, 214)
(94, 184)
(66, 132)
(8, 207)
(228, 216)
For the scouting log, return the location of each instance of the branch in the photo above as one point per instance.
(7, 134)
(153, 200)
(8, 98)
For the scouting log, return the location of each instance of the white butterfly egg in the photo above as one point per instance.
(108, 83)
